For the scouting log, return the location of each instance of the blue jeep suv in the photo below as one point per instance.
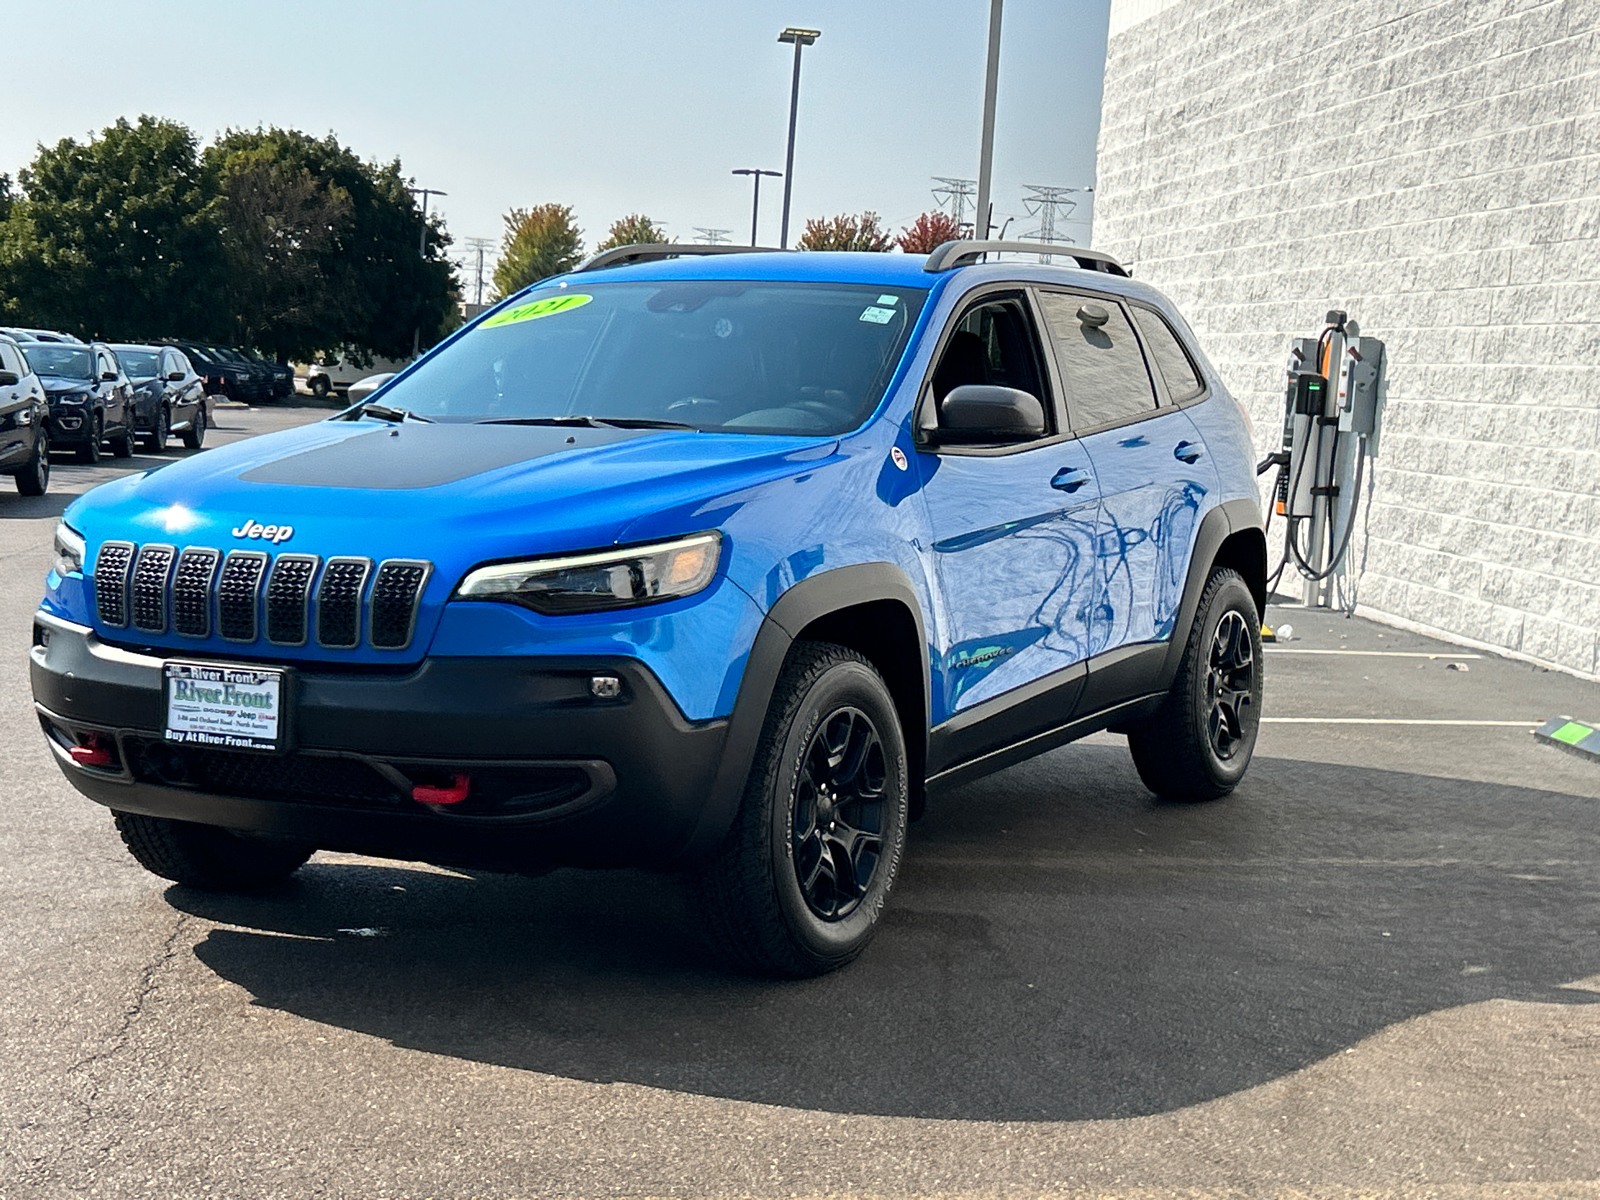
(722, 563)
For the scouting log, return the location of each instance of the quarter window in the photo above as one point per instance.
(1177, 371)
(1100, 360)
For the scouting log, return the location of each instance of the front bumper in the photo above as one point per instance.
(70, 425)
(559, 777)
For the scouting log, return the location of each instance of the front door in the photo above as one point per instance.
(1013, 535)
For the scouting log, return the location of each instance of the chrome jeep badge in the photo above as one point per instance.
(254, 530)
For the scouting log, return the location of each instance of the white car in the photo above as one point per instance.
(322, 379)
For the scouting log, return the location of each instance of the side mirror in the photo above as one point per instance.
(174, 376)
(108, 377)
(983, 413)
(9, 379)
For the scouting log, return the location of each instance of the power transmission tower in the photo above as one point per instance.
(713, 237)
(1050, 205)
(479, 246)
(955, 193)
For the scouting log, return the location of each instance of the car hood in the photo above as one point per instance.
(454, 495)
(60, 383)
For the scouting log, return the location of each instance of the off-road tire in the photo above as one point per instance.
(1177, 750)
(755, 905)
(208, 858)
(34, 477)
(89, 452)
(195, 436)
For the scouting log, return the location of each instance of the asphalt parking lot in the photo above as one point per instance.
(1373, 971)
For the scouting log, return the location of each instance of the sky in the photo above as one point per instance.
(610, 106)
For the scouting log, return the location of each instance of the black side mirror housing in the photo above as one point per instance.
(9, 379)
(977, 413)
(174, 376)
(108, 377)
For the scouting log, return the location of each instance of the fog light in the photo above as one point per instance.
(605, 687)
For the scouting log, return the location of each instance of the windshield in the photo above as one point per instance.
(65, 362)
(741, 357)
(195, 352)
(227, 355)
(139, 364)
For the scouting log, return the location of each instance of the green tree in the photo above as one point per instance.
(108, 237)
(6, 198)
(845, 232)
(928, 232)
(539, 242)
(635, 229)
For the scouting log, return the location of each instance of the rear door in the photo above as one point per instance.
(1154, 483)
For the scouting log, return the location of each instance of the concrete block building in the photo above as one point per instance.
(1433, 167)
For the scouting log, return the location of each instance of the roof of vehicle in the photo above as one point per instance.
(151, 346)
(833, 266)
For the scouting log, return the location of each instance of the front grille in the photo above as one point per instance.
(112, 566)
(191, 591)
(395, 589)
(248, 595)
(339, 602)
(288, 593)
(151, 570)
(237, 591)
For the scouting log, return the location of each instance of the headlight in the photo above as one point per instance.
(607, 579)
(69, 550)
(72, 398)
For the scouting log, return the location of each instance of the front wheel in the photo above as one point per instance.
(156, 440)
(34, 478)
(799, 885)
(89, 452)
(208, 858)
(1198, 744)
(320, 387)
(194, 437)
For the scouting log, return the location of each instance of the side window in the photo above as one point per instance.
(1177, 370)
(1100, 360)
(169, 363)
(8, 360)
(108, 365)
(22, 358)
(993, 343)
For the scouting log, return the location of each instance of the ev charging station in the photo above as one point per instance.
(1333, 414)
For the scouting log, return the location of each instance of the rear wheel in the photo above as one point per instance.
(801, 881)
(194, 437)
(89, 452)
(208, 858)
(1198, 745)
(34, 477)
(320, 387)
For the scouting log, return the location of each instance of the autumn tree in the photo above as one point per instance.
(539, 242)
(635, 229)
(845, 232)
(928, 232)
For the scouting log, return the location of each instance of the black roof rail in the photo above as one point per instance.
(622, 256)
(963, 253)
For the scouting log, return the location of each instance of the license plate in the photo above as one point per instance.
(230, 707)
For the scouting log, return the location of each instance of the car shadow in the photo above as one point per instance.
(1061, 946)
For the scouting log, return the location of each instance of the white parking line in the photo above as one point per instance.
(1371, 653)
(1391, 721)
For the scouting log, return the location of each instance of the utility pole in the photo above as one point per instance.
(422, 250)
(480, 245)
(801, 39)
(955, 193)
(755, 206)
(713, 237)
(991, 83)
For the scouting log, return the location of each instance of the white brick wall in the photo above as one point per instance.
(1434, 169)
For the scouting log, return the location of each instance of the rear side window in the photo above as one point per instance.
(1177, 371)
(1101, 364)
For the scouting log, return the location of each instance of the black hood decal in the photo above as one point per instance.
(415, 455)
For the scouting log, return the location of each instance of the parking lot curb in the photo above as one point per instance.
(1577, 737)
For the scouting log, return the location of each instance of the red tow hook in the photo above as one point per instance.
(460, 785)
(93, 753)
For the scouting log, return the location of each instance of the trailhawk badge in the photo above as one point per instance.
(254, 530)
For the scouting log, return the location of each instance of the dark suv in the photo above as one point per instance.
(717, 562)
(168, 396)
(90, 397)
(24, 422)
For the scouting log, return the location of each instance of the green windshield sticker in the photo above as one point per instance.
(888, 301)
(1572, 733)
(549, 306)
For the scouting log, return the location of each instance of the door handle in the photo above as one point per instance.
(1188, 452)
(1069, 479)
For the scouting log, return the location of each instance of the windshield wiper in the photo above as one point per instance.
(587, 422)
(384, 413)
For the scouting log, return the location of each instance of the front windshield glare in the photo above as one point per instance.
(138, 364)
(790, 358)
(63, 362)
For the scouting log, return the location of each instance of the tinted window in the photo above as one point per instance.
(735, 356)
(1182, 380)
(179, 362)
(139, 364)
(66, 362)
(1100, 360)
(992, 344)
(8, 360)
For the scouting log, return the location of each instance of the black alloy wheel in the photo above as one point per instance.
(836, 826)
(34, 479)
(156, 439)
(194, 436)
(1230, 679)
(89, 452)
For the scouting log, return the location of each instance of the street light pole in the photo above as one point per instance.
(422, 250)
(755, 207)
(801, 38)
(991, 84)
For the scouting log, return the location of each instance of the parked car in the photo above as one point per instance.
(337, 374)
(282, 374)
(90, 397)
(716, 564)
(40, 335)
(262, 378)
(24, 422)
(224, 377)
(168, 396)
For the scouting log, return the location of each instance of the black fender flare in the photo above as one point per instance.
(1217, 526)
(807, 601)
